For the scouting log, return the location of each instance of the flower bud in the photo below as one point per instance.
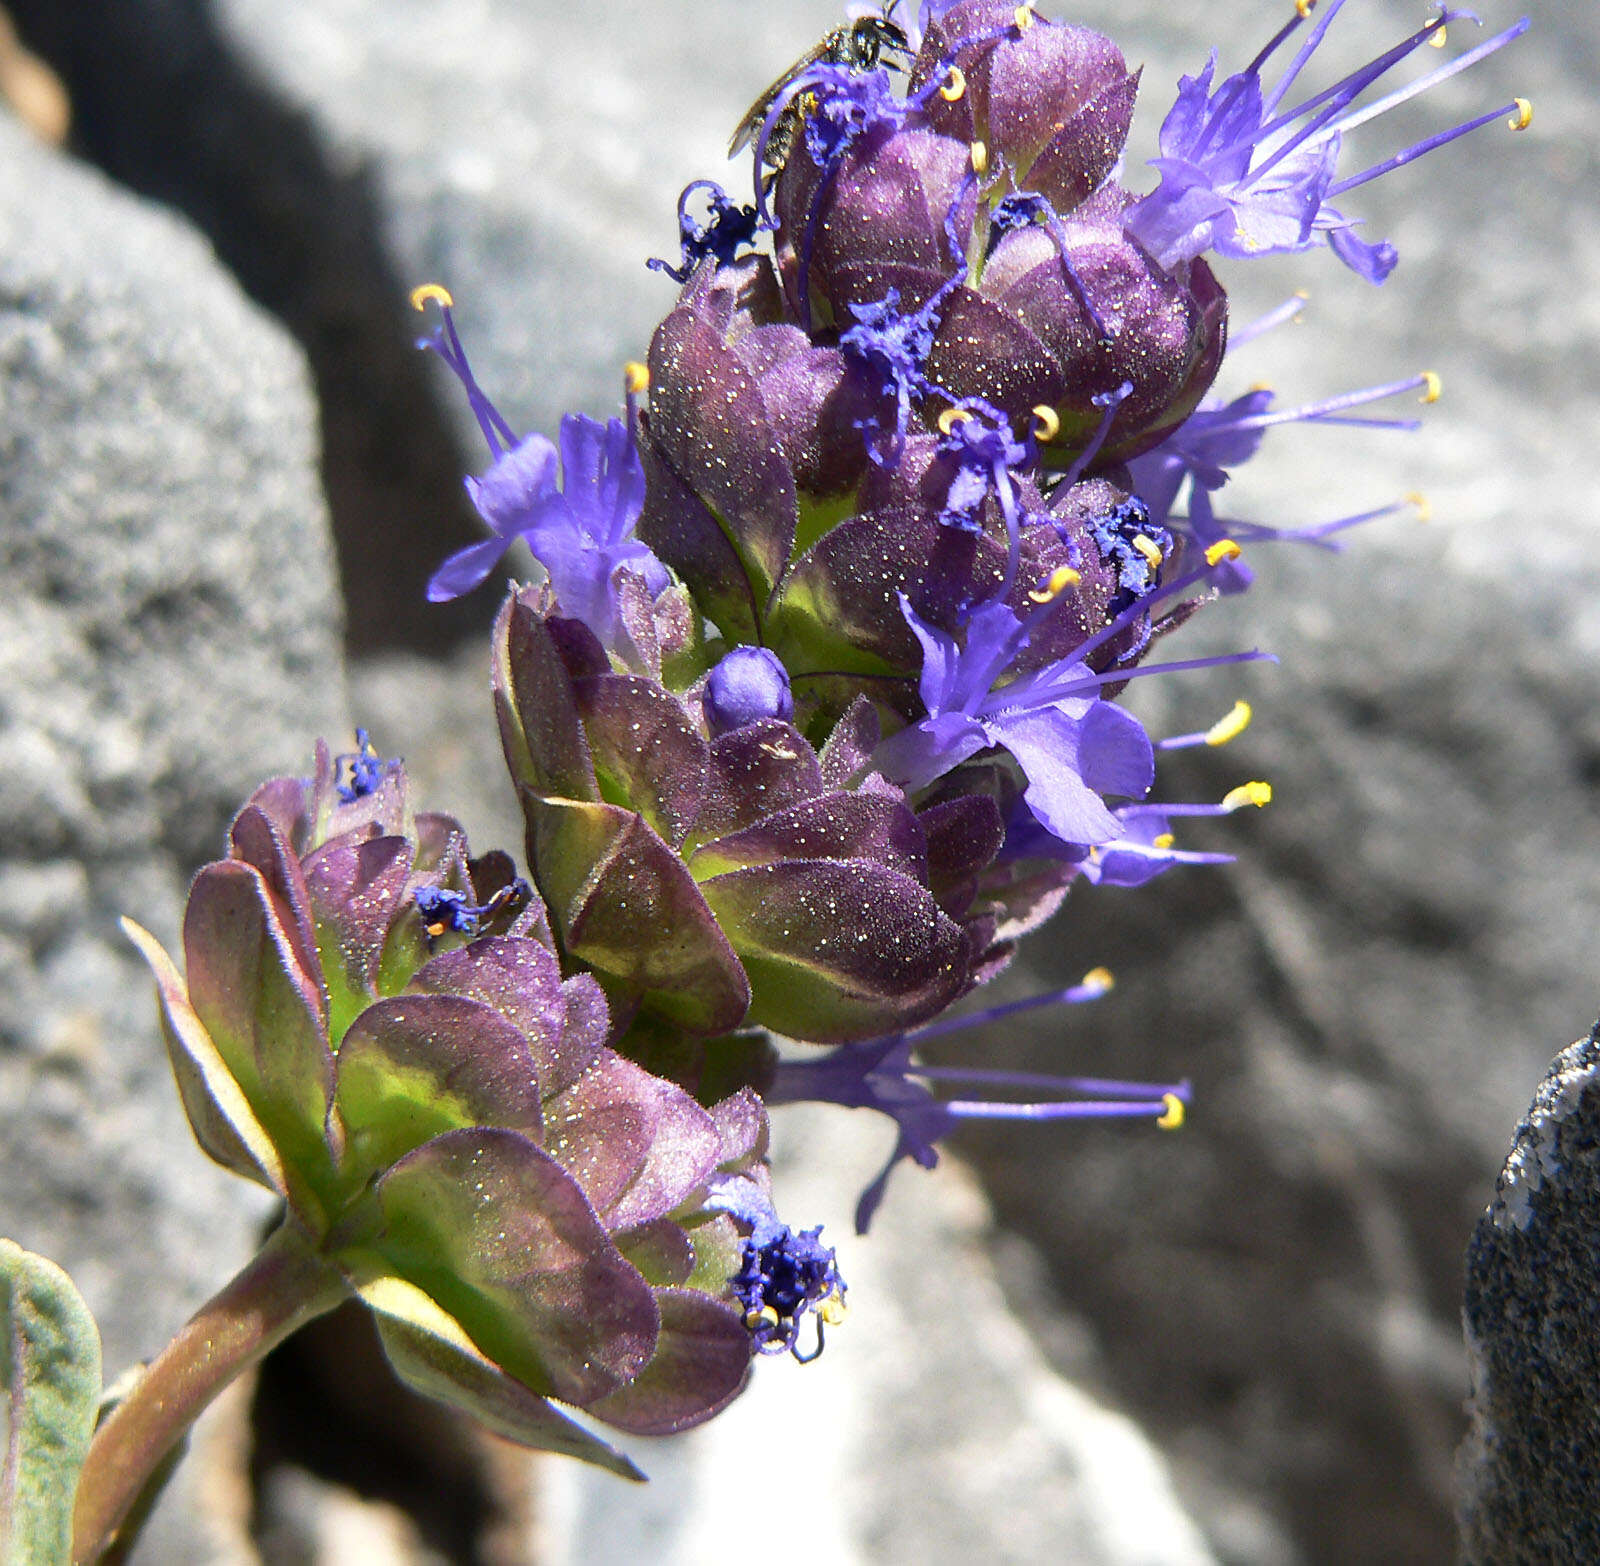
(746, 686)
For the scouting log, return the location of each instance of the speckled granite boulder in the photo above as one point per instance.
(170, 636)
(1530, 1468)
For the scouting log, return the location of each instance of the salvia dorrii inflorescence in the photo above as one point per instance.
(812, 714)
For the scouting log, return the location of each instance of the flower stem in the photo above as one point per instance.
(284, 1286)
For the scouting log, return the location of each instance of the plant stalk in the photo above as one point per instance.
(284, 1286)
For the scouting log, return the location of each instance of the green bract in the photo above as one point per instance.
(523, 1208)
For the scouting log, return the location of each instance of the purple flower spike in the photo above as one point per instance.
(1244, 176)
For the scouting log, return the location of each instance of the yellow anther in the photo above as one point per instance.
(1304, 8)
(1024, 18)
(1261, 386)
(1098, 979)
(1223, 549)
(1437, 41)
(766, 1316)
(1046, 423)
(1256, 794)
(436, 293)
(1422, 503)
(980, 157)
(1524, 115)
(1163, 840)
(950, 418)
(833, 1310)
(1172, 1116)
(635, 377)
(1432, 386)
(1231, 726)
(954, 85)
(1055, 585)
(1147, 547)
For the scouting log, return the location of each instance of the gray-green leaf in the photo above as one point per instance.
(51, 1378)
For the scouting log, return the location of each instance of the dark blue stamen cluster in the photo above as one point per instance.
(729, 228)
(445, 911)
(1114, 535)
(359, 772)
(783, 1276)
(985, 451)
(895, 346)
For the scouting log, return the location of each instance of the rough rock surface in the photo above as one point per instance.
(1531, 1464)
(170, 636)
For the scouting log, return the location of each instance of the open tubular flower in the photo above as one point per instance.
(575, 507)
(1243, 174)
(376, 1027)
(881, 1075)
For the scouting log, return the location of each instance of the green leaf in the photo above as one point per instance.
(624, 903)
(51, 1376)
(219, 1113)
(503, 1238)
(433, 1355)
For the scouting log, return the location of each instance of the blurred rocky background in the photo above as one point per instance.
(1238, 1344)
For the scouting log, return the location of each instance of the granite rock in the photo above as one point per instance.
(171, 636)
(1530, 1465)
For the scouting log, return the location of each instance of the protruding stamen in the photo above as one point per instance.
(1257, 794)
(635, 378)
(952, 418)
(1422, 503)
(1097, 981)
(1172, 1116)
(954, 85)
(1231, 726)
(1228, 727)
(980, 157)
(1523, 118)
(1304, 8)
(431, 293)
(1148, 548)
(1432, 387)
(1046, 423)
(1223, 549)
(1055, 585)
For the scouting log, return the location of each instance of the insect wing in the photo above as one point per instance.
(750, 126)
